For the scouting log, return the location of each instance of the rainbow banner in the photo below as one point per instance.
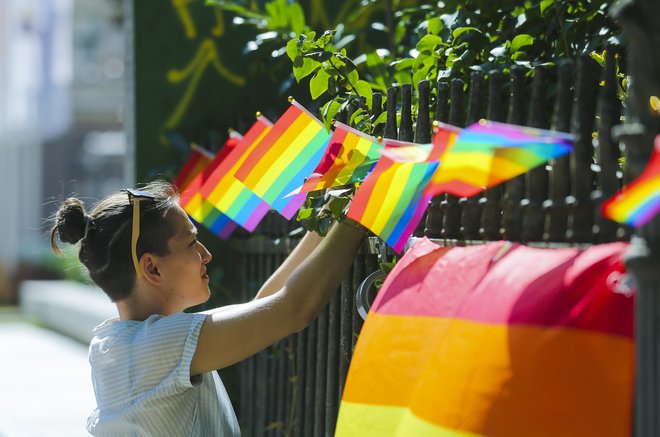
(639, 201)
(488, 153)
(390, 201)
(284, 158)
(200, 210)
(349, 157)
(498, 339)
(227, 194)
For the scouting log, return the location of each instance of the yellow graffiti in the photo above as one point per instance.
(181, 7)
(219, 28)
(206, 55)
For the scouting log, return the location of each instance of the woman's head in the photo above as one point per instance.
(105, 235)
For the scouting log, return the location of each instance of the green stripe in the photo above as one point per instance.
(296, 163)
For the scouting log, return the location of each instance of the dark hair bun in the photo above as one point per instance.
(70, 221)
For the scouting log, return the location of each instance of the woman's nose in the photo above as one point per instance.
(205, 254)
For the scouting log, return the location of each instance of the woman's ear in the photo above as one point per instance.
(150, 269)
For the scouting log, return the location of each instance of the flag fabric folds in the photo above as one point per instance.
(349, 157)
(189, 182)
(390, 201)
(229, 195)
(488, 153)
(639, 201)
(284, 158)
(495, 339)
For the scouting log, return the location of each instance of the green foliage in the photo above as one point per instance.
(321, 209)
(368, 45)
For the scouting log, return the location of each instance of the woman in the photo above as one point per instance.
(153, 367)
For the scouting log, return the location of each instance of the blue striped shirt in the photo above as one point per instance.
(141, 378)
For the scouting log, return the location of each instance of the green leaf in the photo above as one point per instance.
(521, 41)
(292, 49)
(404, 64)
(545, 4)
(305, 213)
(461, 30)
(382, 118)
(319, 55)
(297, 16)
(353, 78)
(429, 43)
(329, 111)
(337, 206)
(325, 38)
(363, 88)
(303, 67)
(435, 25)
(318, 84)
(324, 226)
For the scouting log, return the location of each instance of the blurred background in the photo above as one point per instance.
(62, 81)
(62, 93)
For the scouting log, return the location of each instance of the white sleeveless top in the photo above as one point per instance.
(141, 378)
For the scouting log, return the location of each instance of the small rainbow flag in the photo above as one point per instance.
(390, 201)
(349, 157)
(488, 153)
(284, 158)
(226, 193)
(192, 201)
(497, 339)
(194, 165)
(639, 201)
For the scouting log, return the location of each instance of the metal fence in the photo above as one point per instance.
(294, 387)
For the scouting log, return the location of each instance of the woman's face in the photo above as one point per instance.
(187, 281)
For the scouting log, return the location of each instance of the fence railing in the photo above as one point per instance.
(294, 387)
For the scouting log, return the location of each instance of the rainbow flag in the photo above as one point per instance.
(639, 201)
(194, 165)
(226, 193)
(498, 339)
(284, 158)
(349, 157)
(488, 153)
(192, 201)
(390, 201)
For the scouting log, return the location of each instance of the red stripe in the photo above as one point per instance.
(233, 154)
(357, 209)
(551, 287)
(281, 125)
(190, 168)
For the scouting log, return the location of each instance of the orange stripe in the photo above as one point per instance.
(495, 379)
(279, 147)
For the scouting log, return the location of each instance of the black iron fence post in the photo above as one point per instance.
(639, 19)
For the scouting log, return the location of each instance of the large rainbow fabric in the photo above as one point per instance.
(349, 157)
(197, 207)
(495, 340)
(639, 201)
(284, 158)
(388, 201)
(226, 193)
(488, 153)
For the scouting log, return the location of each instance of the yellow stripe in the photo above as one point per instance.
(356, 145)
(278, 149)
(629, 201)
(392, 196)
(360, 420)
(228, 185)
(284, 159)
(373, 207)
(231, 192)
